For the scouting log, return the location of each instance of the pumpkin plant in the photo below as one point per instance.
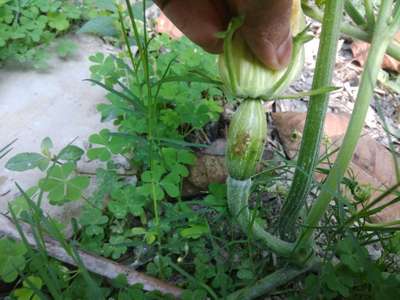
(252, 83)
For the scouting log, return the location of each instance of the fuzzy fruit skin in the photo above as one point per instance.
(251, 78)
(246, 139)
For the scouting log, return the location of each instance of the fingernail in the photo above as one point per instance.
(284, 52)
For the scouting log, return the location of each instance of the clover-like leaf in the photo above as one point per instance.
(186, 157)
(194, 231)
(66, 48)
(20, 204)
(58, 21)
(70, 153)
(171, 184)
(62, 186)
(12, 259)
(27, 292)
(103, 139)
(27, 161)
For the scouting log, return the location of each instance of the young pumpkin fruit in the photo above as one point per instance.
(246, 139)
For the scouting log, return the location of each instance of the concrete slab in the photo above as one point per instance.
(56, 103)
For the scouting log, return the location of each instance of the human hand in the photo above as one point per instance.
(266, 28)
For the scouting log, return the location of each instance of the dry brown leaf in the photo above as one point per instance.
(372, 163)
(164, 25)
(360, 54)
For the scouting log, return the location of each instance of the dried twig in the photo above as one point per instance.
(92, 263)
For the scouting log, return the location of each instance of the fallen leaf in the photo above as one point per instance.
(372, 163)
(360, 54)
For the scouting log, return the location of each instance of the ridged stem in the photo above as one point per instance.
(384, 33)
(268, 284)
(313, 131)
(238, 203)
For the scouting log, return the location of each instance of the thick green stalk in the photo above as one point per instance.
(238, 195)
(382, 36)
(268, 284)
(315, 13)
(313, 131)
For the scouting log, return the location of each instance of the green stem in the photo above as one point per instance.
(151, 101)
(382, 36)
(313, 131)
(354, 14)
(238, 195)
(381, 226)
(315, 13)
(369, 13)
(126, 40)
(195, 281)
(268, 284)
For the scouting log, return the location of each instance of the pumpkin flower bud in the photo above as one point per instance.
(245, 76)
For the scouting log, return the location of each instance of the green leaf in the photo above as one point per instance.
(26, 292)
(151, 190)
(245, 274)
(169, 156)
(58, 21)
(99, 153)
(97, 58)
(70, 153)
(194, 231)
(154, 175)
(66, 48)
(61, 186)
(119, 282)
(23, 294)
(137, 231)
(92, 216)
(19, 204)
(75, 186)
(102, 153)
(171, 188)
(333, 281)
(181, 170)
(118, 209)
(394, 243)
(2, 2)
(101, 25)
(26, 161)
(186, 157)
(45, 147)
(115, 248)
(12, 259)
(126, 200)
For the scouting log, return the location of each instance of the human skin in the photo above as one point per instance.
(266, 28)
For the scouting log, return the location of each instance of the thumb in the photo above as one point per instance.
(266, 29)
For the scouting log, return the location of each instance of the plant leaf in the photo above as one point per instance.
(25, 161)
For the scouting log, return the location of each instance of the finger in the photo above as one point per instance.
(267, 29)
(198, 20)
